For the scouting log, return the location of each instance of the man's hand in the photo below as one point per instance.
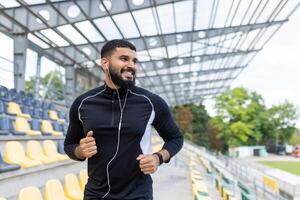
(87, 146)
(148, 163)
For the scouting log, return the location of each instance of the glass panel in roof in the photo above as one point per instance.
(126, 25)
(30, 2)
(108, 28)
(180, 50)
(37, 41)
(9, 4)
(72, 34)
(89, 31)
(184, 16)
(143, 56)
(54, 37)
(166, 18)
(202, 14)
(146, 21)
(157, 53)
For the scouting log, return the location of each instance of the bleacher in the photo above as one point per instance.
(33, 164)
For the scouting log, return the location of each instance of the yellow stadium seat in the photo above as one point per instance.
(47, 128)
(83, 178)
(54, 116)
(50, 150)
(14, 108)
(30, 193)
(14, 154)
(54, 190)
(22, 125)
(35, 152)
(72, 187)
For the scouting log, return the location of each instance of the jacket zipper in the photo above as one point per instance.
(112, 109)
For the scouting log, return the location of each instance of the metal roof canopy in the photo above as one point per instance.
(189, 50)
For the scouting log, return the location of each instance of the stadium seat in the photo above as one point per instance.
(54, 190)
(83, 178)
(14, 109)
(5, 167)
(14, 154)
(30, 193)
(46, 127)
(22, 125)
(50, 150)
(53, 115)
(72, 187)
(60, 147)
(35, 152)
(2, 107)
(36, 113)
(35, 124)
(6, 127)
(4, 95)
(26, 110)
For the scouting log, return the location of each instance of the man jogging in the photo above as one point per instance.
(111, 125)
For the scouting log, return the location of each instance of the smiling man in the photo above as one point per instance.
(111, 125)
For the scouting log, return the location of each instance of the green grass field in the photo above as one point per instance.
(291, 167)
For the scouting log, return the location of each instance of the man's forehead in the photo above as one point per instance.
(124, 51)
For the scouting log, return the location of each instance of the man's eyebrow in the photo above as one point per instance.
(126, 56)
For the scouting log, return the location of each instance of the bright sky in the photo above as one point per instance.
(275, 71)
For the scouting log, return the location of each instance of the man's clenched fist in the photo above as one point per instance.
(87, 146)
(148, 163)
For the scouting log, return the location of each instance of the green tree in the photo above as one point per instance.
(192, 120)
(51, 83)
(243, 119)
(283, 119)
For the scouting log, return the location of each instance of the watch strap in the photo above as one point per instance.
(160, 157)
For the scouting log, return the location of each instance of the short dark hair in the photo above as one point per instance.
(111, 46)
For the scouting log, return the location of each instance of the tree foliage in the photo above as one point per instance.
(243, 119)
(51, 83)
(193, 121)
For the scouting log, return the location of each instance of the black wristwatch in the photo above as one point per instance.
(160, 157)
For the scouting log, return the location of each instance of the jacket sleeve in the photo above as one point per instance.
(75, 132)
(166, 128)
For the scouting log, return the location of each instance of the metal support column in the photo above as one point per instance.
(70, 84)
(37, 78)
(20, 46)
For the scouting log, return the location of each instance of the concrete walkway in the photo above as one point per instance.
(172, 182)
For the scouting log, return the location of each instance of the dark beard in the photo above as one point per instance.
(118, 81)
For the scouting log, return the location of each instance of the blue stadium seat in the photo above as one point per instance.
(60, 146)
(56, 126)
(4, 126)
(45, 114)
(36, 113)
(37, 103)
(5, 95)
(26, 109)
(36, 126)
(2, 107)
(5, 167)
(64, 128)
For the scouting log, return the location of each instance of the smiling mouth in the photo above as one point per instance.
(128, 74)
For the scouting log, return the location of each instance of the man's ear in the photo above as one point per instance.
(104, 64)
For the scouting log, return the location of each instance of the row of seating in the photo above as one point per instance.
(15, 156)
(22, 98)
(54, 190)
(198, 185)
(14, 109)
(34, 127)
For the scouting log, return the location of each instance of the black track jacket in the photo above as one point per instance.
(98, 110)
